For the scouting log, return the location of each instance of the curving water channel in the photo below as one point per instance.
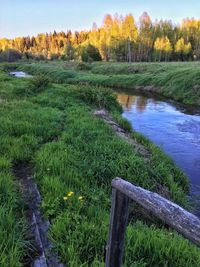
(174, 129)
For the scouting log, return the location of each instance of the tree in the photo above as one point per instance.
(191, 32)
(145, 38)
(162, 48)
(118, 39)
(129, 34)
(105, 37)
(183, 49)
(69, 51)
(10, 55)
(90, 53)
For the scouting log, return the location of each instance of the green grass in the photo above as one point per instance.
(179, 81)
(12, 230)
(25, 125)
(72, 150)
(143, 240)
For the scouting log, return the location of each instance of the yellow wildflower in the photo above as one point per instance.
(65, 198)
(70, 194)
(80, 198)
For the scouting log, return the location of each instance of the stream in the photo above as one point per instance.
(173, 128)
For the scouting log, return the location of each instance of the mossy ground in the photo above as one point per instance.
(73, 151)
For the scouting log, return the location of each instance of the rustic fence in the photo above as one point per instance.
(170, 213)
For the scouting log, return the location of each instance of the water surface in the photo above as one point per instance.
(20, 74)
(172, 128)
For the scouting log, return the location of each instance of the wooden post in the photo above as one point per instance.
(170, 213)
(117, 229)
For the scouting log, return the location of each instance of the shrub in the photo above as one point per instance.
(90, 53)
(54, 56)
(99, 97)
(7, 67)
(83, 66)
(10, 55)
(39, 83)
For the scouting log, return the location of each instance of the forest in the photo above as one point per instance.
(120, 38)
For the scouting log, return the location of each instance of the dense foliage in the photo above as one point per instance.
(119, 38)
(10, 55)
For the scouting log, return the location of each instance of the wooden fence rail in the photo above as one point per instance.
(170, 213)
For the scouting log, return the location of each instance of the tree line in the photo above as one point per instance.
(118, 39)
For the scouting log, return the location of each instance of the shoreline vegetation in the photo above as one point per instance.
(176, 80)
(49, 122)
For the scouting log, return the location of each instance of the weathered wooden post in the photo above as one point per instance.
(117, 229)
(170, 213)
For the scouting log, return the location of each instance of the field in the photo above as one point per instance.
(48, 122)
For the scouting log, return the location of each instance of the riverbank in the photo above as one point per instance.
(179, 81)
(75, 155)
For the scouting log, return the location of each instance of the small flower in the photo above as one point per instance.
(65, 198)
(80, 198)
(70, 194)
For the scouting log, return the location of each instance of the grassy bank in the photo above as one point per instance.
(75, 157)
(179, 81)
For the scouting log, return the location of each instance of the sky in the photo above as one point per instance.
(29, 17)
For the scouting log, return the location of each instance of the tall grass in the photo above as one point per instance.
(25, 125)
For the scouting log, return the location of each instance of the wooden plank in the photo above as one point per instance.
(118, 221)
(170, 213)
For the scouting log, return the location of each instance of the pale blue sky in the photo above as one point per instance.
(28, 17)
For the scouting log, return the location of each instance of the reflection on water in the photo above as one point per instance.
(175, 131)
(127, 101)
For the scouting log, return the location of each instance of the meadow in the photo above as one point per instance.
(48, 121)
